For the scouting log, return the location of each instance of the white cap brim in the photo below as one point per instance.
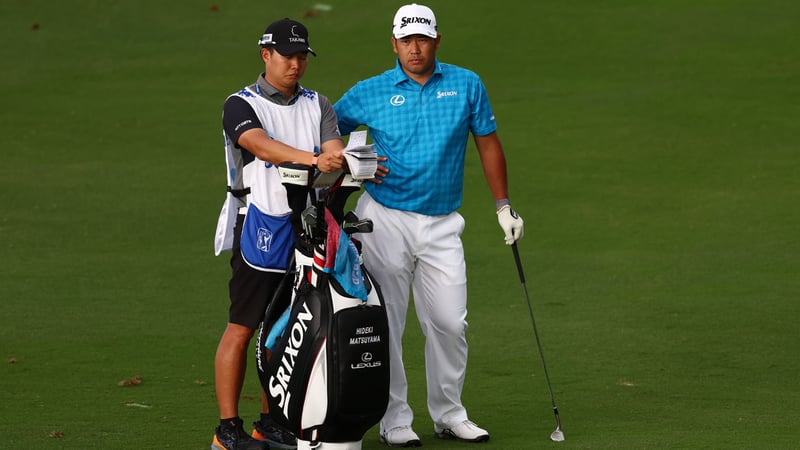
(410, 30)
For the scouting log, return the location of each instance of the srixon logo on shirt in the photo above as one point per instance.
(440, 94)
(408, 20)
(279, 384)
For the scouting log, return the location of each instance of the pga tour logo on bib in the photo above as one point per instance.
(264, 239)
(267, 241)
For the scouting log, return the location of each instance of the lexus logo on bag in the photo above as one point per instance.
(366, 362)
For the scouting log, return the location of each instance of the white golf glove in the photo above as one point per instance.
(511, 223)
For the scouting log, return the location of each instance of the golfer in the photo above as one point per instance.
(272, 121)
(420, 115)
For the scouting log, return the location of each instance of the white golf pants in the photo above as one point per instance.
(425, 253)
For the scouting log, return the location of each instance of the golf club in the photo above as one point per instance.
(309, 220)
(556, 435)
(350, 216)
(359, 226)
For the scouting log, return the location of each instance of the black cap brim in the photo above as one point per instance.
(291, 49)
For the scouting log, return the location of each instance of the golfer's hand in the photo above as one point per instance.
(511, 223)
(381, 171)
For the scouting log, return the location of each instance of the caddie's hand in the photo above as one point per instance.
(511, 223)
(330, 161)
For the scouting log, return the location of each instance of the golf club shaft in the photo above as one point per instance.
(535, 331)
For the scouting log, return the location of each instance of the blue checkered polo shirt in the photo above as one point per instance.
(423, 130)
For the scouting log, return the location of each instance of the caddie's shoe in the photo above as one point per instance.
(273, 435)
(465, 431)
(402, 436)
(235, 438)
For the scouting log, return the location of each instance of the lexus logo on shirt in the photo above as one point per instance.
(397, 100)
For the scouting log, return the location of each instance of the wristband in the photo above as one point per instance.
(314, 160)
(500, 203)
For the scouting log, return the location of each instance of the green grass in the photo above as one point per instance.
(652, 151)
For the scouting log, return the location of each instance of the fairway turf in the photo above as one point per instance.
(653, 153)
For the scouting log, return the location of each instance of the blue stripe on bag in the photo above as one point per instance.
(277, 329)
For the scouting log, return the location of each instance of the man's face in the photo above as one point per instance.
(284, 72)
(417, 53)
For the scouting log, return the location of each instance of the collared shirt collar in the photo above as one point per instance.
(269, 92)
(400, 76)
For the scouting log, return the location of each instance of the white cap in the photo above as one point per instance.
(414, 19)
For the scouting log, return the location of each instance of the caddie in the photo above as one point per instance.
(271, 121)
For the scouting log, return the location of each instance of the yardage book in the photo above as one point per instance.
(361, 158)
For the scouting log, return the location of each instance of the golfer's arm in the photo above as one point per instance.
(493, 161)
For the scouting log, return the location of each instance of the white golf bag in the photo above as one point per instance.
(323, 360)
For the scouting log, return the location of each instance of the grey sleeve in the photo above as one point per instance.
(328, 127)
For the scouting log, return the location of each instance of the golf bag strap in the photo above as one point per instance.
(239, 193)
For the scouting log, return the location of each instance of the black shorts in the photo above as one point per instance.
(251, 290)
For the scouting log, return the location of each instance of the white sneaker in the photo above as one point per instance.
(465, 431)
(402, 436)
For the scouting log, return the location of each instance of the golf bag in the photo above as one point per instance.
(323, 360)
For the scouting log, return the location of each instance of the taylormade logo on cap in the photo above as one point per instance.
(414, 19)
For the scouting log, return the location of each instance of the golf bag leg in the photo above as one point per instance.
(306, 445)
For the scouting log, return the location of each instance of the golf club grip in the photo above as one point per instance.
(519, 263)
